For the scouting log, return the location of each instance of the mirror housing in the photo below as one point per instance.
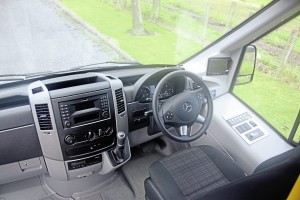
(247, 67)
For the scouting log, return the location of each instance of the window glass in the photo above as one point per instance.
(275, 90)
(172, 30)
(59, 35)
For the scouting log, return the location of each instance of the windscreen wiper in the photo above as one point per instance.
(25, 75)
(12, 77)
(17, 77)
(107, 62)
(20, 77)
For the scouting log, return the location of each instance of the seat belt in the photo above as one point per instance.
(295, 192)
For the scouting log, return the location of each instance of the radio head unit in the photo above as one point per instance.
(85, 110)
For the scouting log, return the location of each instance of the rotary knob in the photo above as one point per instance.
(90, 135)
(70, 139)
(68, 124)
(105, 114)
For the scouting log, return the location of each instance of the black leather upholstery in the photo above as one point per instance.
(273, 179)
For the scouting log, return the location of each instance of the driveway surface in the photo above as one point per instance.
(36, 36)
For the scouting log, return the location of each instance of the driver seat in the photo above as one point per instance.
(204, 172)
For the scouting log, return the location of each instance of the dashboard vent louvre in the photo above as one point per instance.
(120, 100)
(43, 115)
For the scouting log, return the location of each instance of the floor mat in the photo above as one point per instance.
(116, 188)
(32, 189)
(136, 171)
(28, 189)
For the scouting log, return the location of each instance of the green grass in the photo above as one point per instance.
(280, 36)
(273, 100)
(117, 24)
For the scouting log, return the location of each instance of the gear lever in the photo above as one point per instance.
(119, 150)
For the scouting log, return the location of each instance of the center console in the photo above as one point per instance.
(86, 123)
(77, 120)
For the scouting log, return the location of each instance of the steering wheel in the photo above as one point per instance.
(181, 111)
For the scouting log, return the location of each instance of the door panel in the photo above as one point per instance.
(248, 155)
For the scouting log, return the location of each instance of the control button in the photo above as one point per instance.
(169, 115)
(200, 96)
(253, 123)
(105, 114)
(247, 126)
(143, 119)
(91, 136)
(70, 139)
(100, 132)
(239, 129)
(254, 134)
(243, 128)
(136, 121)
(108, 131)
(68, 124)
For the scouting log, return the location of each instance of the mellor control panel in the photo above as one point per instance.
(246, 126)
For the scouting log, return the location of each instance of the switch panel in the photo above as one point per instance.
(246, 126)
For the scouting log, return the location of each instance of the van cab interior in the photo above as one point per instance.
(149, 131)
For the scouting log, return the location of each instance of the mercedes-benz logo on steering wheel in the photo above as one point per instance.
(187, 106)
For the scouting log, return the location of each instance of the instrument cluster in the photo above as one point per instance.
(146, 92)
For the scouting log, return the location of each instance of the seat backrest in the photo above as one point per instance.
(272, 179)
(295, 152)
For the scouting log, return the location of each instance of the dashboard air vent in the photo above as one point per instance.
(43, 115)
(120, 100)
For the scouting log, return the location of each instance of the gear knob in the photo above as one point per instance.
(121, 136)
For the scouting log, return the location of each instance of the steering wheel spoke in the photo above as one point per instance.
(184, 131)
(200, 119)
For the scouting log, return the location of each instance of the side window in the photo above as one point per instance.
(274, 92)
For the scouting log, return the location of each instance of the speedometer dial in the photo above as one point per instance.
(144, 94)
(166, 91)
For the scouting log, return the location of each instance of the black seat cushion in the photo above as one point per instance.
(272, 179)
(191, 173)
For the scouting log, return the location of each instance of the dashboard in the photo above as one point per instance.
(66, 125)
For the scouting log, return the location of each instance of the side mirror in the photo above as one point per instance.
(247, 68)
